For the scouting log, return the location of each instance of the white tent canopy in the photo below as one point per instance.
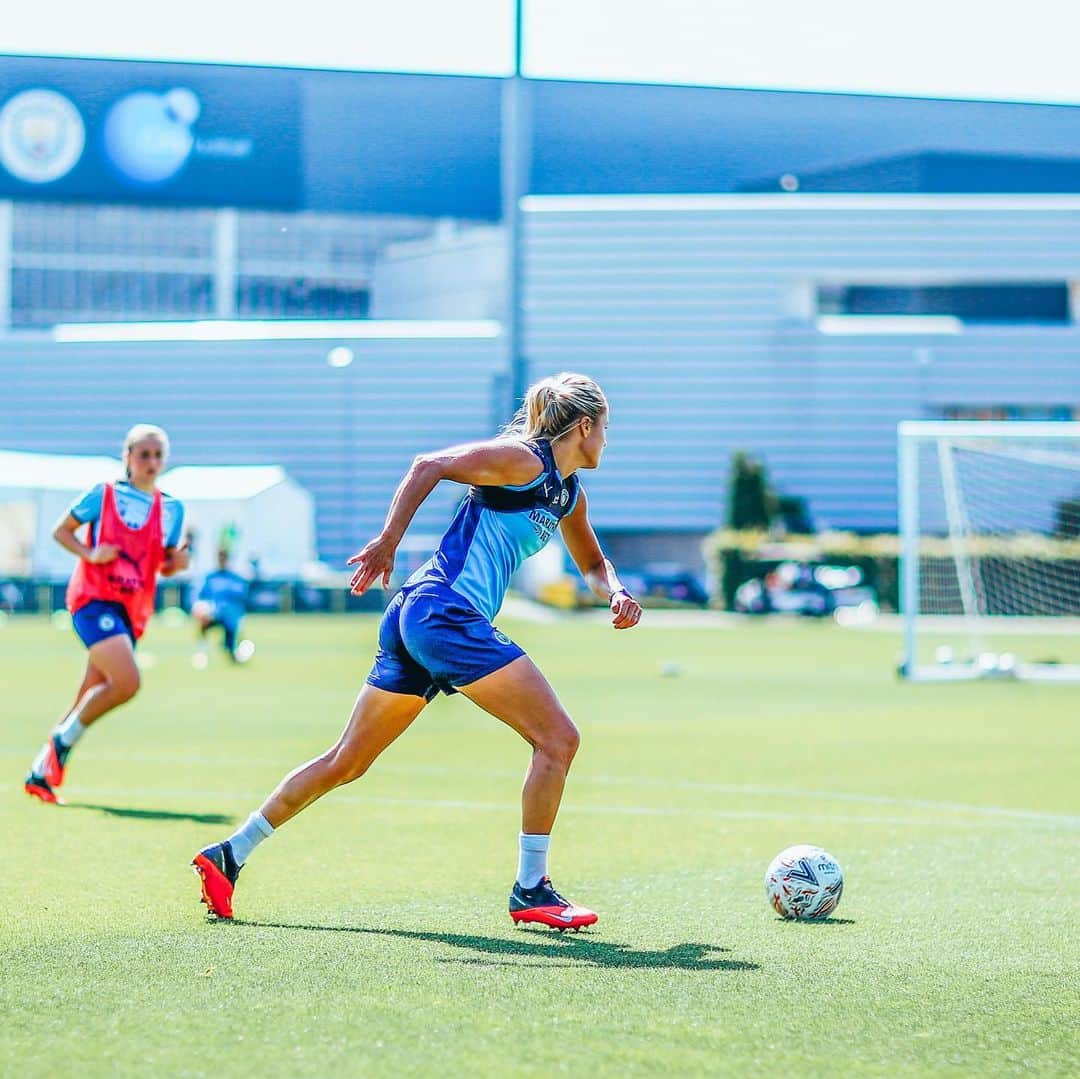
(35, 491)
(266, 515)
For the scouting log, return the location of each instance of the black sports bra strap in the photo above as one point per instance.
(544, 492)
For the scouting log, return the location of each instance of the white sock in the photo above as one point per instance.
(37, 765)
(71, 730)
(249, 835)
(532, 859)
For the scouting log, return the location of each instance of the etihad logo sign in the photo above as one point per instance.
(150, 137)
(42, 136)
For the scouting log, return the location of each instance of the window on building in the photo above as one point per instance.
(42, 297)
(1007, 412)
(970, 302)
(95, 263)
(291, 297)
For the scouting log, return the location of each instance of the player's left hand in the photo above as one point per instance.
(625, 611)
(176, 561)
(180, 560)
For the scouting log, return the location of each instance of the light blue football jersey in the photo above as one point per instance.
(495, 529)
(133, 506)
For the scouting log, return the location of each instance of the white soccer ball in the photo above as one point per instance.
(804, 883)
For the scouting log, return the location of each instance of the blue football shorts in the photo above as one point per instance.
(100, 619)
(431, 640)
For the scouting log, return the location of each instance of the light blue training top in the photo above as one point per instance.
(133, 506)
(495, 529)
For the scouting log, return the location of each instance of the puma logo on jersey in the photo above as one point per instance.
(137, 563)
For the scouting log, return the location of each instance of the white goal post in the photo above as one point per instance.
(990, 549)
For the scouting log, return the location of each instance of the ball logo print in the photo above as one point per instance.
(42, 136)
(149, 137)
(804, 883)
(106, 622)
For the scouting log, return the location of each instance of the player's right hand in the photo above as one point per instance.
(374, 560)
(102, 553)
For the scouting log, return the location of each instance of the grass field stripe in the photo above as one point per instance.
(502, 807)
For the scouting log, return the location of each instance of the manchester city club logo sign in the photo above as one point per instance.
(42, 136)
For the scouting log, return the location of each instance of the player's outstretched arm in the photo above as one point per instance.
(494, 463)
(598, 571)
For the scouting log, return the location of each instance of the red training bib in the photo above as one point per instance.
(131, 578)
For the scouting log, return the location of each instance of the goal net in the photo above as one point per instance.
(990, 549)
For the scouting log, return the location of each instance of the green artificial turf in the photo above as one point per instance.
(372, 936)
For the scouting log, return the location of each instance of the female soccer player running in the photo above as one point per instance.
(437, 634)
(134, 535)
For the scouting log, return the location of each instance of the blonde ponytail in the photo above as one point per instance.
(554, 405)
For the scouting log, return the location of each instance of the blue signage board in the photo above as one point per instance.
(149, 133)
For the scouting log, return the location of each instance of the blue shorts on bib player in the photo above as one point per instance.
(100, 619)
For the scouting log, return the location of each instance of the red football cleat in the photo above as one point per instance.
(218, 870)
(55, 758)
(38, 787)
(544, 905)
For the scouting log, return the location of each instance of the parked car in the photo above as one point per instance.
(801, 588)
(666, 581)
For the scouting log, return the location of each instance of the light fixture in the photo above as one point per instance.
(889, 325)
(340, 356)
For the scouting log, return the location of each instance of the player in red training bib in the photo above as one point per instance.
(133, 536)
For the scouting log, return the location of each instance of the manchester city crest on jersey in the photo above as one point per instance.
(555, 494)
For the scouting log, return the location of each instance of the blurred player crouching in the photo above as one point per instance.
(221, 602)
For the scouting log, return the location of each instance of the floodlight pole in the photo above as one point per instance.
(515, 151)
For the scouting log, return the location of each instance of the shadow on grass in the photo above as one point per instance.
(582, 950)
(153, 814)
(818, 921)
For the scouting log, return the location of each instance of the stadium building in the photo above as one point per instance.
(308, 268)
